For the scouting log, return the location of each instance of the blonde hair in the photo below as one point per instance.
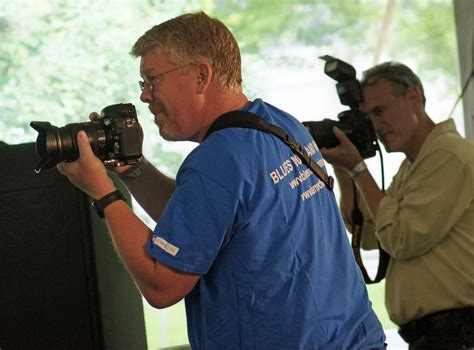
(194, 37)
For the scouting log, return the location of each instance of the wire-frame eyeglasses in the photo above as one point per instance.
(148, 81)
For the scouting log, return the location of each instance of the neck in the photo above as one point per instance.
(221, 104)
(424, 128)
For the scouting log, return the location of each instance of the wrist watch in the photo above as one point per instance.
(138, 170)
(100, 204)
(357, 169)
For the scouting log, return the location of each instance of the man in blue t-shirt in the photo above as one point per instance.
(247, 234)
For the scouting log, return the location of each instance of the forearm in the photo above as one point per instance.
(151, 189)
(370, 191)
(344, 157)
(130, 236)
(369, 241)
(159, 284)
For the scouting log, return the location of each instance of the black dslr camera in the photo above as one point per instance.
(353, 122)
(116, 138)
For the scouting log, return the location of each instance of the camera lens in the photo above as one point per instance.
(55, 145)
(47, 145)
(115, 138)
(322, 132)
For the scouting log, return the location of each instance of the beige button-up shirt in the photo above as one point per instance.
(426, 223)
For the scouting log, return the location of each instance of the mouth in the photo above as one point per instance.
(156, 110)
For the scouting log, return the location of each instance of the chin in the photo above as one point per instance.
(388, 147)
(389, 144)
(392, 148)
(170, 136)
(167, 136)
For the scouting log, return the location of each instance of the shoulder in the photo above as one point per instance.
(225, 158)
(446, 142)
(273, 115)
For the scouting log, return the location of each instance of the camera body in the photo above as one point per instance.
(115, 138)
(353, 122)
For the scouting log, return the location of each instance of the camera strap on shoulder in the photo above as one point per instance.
(243, 119)
(357, 220)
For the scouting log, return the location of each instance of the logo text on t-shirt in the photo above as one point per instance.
(287, 166)
(165, 245)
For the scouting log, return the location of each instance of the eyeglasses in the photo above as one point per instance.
(149, 81)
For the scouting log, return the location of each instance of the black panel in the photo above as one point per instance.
(48, 285)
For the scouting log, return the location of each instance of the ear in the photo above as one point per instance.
(413, 96)
(204, 77)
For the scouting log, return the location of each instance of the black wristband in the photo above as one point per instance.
(100, 204)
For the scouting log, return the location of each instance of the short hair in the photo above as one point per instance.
(193, 37)
(399, 75)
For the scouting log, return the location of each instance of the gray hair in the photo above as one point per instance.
(399, 75)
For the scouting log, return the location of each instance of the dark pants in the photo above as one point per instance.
(438, 344)
(445, 330)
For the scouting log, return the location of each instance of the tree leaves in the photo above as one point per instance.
(60, 60)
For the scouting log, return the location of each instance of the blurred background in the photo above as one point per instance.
(62, 59)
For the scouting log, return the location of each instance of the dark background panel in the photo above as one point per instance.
(61, 283)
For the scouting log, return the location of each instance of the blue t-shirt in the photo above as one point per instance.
(267, 238)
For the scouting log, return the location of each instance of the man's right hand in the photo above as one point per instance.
(346, 155)
(87, 172)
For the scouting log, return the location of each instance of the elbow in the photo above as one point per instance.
(155, 302)
(402, 254)
(158, 300)
(402, 251)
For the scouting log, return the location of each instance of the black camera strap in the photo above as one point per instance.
(243, 119)
(357, 220)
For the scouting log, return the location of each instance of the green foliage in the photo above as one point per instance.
(419, 31)
(425, 31)
(61, 60)
(263, 24)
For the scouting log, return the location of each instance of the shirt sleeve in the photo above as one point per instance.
(426, 205)
(195, 224)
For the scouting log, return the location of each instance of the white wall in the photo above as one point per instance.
(464, 17)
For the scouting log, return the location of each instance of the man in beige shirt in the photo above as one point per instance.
(425, 220)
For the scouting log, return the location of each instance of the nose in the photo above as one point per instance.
(146, 96)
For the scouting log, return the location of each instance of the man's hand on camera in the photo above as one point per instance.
(346, 155)
(87, 172)
(94, 116)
